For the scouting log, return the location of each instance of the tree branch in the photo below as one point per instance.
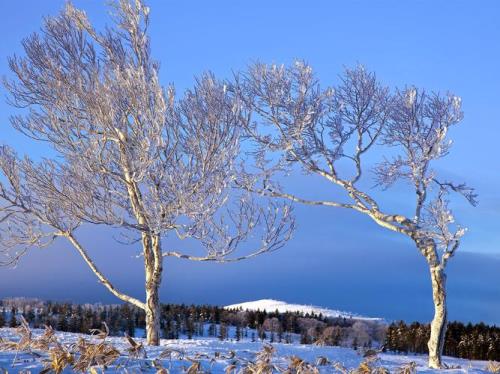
(100, 275)
(385, 220)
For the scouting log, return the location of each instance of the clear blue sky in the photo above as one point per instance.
(337, 258)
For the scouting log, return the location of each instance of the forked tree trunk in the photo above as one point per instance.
(439, 322)
(153, 270)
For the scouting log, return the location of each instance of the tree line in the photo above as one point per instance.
(190, 321)
(470, 341)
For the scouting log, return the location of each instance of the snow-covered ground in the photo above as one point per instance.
(214, 355)
(270, 305)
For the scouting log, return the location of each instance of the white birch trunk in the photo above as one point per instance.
(438, 282)
(438, 324)
(153, 269)
(152, 314)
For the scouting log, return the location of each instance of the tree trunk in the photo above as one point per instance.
(153, 269)
(435, 344)
(438, 324)
(152, 315)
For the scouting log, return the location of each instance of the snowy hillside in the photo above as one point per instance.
(214, 356)
(270, 305)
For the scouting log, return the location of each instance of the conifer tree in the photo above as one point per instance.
(130, 327)
(212, 329)
(355, 343)
(74, 323)
(222, 331)
(13, 319)
(2, 318)
(304, 338)
(189, 328)
(61, 324)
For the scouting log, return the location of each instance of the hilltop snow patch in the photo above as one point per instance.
(270, 305)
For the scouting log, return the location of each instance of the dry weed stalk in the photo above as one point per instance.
(322, 361)
(493, 367)
(159, 367)
(409, 368)
(171, 353)
(231, 369)
(101, 354)
(44, 342)
(367, 366)
(299, 366)
(7, 345)
(136, 350)
(220, 356)
(320, 342)
(59, 359)
(195, 367)
(262, 364)
(27, 343)
(340, 368)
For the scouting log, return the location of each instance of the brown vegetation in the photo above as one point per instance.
(88, 356)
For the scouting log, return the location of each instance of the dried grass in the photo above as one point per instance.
(26, 342)
(299, 366)
(82, 356)
(493, 367)
(59, 359)
(367, 366)
(195, 367)
(409, 368)
(170, 354)
(263, 362)
(231, 369)
(322, 361)
(90, 356)
(101, 354)
(136, 350)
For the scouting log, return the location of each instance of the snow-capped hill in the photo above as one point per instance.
(270, 305)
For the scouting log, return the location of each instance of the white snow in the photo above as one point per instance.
(270, 305)
(204, 349)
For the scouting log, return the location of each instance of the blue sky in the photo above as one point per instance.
(337, 258)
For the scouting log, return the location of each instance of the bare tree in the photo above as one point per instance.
(324, 131)
(127, 154)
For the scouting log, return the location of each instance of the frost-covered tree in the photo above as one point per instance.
(328, 132)
(126, 153)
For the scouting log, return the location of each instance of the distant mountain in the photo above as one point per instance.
(270, 305)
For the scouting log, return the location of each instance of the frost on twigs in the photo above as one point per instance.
(130, 154)
(297, 124)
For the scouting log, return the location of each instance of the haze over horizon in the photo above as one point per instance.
(337, 259)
